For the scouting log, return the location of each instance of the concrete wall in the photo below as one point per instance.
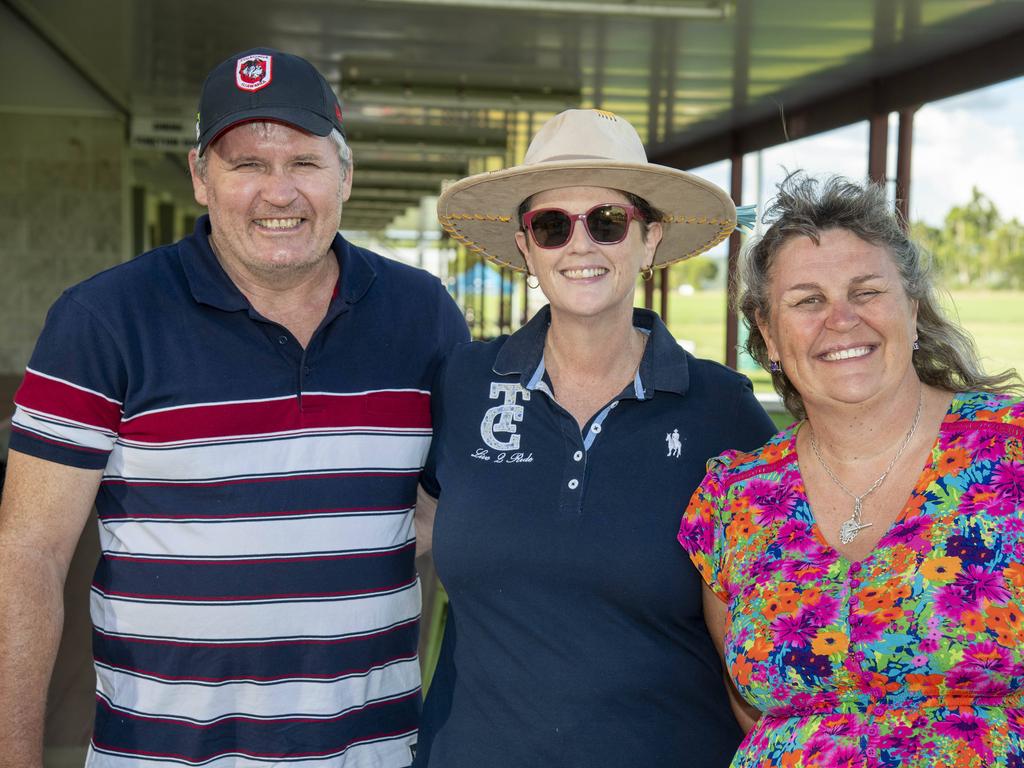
(63, 200)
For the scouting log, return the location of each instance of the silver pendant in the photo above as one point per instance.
(848, 531)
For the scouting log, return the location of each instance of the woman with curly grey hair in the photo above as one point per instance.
(867, 563)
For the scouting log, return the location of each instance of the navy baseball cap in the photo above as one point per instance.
(264, 84)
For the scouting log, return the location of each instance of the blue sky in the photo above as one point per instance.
(969, 140)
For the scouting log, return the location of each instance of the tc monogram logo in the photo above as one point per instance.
(500, 418)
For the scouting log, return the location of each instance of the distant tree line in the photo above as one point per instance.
(976, 247)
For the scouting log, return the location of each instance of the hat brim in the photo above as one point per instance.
(480, 211)
(303, 119)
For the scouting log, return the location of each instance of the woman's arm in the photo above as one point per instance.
(426, 508)
(715, 615)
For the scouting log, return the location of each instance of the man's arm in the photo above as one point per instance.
(426, 508)
(45, 507)
(715, 615)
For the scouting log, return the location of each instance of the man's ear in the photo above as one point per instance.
(198, 182)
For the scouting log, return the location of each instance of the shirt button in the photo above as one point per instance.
(574, 484)
(872, 752)
(595, 428)
(282, 339)
(578, 456)
(855, 568)
(854, 582)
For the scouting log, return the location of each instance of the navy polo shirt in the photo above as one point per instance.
(575, 635)
(256, 599)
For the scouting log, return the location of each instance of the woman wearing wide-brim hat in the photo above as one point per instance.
(562, 458)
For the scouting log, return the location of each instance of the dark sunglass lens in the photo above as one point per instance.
(550, 228)
(607, 224)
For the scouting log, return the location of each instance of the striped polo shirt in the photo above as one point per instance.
(256, 601)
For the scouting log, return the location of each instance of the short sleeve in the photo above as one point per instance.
(428, 477)
(68, 407)
(702, 530)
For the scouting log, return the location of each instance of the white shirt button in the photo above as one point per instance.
(595, 428)
(574, 484)
(578, 456)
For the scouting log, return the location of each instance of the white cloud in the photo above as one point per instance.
(969, 141)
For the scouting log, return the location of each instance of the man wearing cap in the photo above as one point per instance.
(249, 410)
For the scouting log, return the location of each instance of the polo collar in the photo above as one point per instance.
(211, 285)
(663, 367)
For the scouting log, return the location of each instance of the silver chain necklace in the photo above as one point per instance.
(849, 530)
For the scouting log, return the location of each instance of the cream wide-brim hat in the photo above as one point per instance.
(585, 148)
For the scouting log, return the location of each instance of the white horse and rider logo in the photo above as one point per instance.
(675, 445)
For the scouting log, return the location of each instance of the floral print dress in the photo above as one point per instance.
(913, 656)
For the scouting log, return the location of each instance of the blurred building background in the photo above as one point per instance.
(98, 102)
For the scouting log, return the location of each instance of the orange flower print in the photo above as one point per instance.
(760, 649)
(771, 453)
(880, 598)
(941, 569)
(1014, 574)
(924, 684)
(1007, 622)
(973, 622)
(739, 504)
(740, 528)
(741, 669)
(827, 643)
(953, 461)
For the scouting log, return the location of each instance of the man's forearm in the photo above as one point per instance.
(32, 607)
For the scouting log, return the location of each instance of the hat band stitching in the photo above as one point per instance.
(478, 217)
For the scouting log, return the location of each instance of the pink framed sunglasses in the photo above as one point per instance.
(606, 224)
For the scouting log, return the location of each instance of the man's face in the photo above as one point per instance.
(274, 194)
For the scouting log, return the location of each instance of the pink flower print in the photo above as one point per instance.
(845, 756)
(952, 601)
(864, 628)
(811, 567)
(817, 749)
(986, 499)
(1008, 479)
(913, 532)
(795, 630)
(966, 679)
(773, 502)
(989, 656)
(979, 584)
(968, 728)
(823, 612)
(794, 535)
(985, 446)
(696, 535)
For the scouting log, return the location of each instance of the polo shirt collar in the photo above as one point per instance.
(663, 367)
(211, 285)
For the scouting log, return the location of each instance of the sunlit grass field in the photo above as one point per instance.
(994, 318)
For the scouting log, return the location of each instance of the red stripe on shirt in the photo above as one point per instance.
(385, 409)
(65, 401)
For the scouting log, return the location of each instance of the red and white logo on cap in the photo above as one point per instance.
(253, 72)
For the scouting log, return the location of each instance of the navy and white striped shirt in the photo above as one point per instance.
(255, 601)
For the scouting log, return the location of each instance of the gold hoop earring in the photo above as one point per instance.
(535, 283)
(647, 273)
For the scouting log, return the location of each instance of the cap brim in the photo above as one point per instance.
(480, 211)
(302, 119)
